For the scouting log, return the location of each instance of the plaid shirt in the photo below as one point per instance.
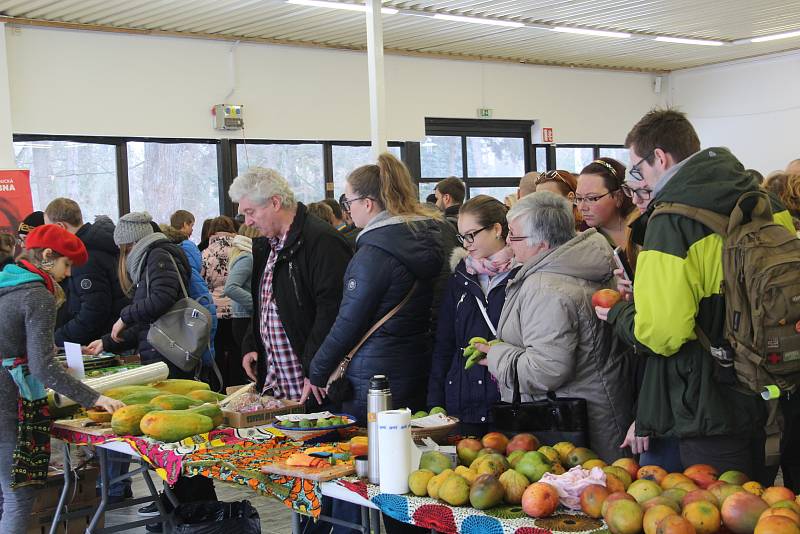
(284, 370)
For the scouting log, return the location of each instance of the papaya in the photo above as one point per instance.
(123, 391)
(210, 410)
(180, 386)
(173, 402)
(142, 397)
(205, 395)
(174, 425)
(125, 421)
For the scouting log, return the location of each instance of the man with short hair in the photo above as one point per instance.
(349, 231)
(678, 287)
(298, 276)
(183, 221)
(94, 295)
(450, 194)
(793, 167)
(527, 184)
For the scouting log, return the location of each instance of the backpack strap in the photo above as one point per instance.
(754, 205)
(716, 222)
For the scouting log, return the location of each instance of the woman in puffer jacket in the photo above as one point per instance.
(398, 249)
(551, 337)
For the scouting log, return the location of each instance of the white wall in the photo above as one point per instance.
(69, 82)
(751, 106)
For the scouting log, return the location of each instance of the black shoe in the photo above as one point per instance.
(155, 527)
(149, 511)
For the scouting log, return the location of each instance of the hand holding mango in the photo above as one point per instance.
(473, 354)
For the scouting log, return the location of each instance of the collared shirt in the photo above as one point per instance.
(284, 370)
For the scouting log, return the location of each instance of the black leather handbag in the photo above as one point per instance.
(551, 420)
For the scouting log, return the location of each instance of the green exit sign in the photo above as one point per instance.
(484, 113)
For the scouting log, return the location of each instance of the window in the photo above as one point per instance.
(573, 159)
(441, 156)
(84, 172)
(495, 157)
(165, 177)
(301, 164)
(425, 189)
(500, 193)
(620, 154)
(346, 158)
(541, 159)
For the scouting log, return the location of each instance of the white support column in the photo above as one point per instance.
(7, 160)
(377, 93)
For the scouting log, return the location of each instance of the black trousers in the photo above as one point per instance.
(726, 453)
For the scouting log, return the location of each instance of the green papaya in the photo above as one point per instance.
(181, 386)
(205, 396)
(123, 391)
(142, 397)
(174, 402)
(210, 410)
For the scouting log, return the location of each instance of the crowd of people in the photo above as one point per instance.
(309, 302)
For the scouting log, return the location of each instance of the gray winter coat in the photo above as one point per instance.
(238, 286)
(549, 324)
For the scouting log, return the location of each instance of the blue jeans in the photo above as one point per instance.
(115, 469)
(16, 503)
(664, 452)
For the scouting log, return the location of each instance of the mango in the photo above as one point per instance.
(418, 482)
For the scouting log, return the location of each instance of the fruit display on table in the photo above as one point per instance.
(633, 499)
(322, 423)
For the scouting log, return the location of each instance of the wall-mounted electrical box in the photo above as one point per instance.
(227, 117)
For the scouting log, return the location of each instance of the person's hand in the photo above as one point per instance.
(108, 404)
(116, 330)
(483, 347)
(601, 312)
(624, 286)
(250, 365)
(94, 348)
(309, 389)
(637, 444)
(484, 362)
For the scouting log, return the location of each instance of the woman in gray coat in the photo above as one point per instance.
(548, 325)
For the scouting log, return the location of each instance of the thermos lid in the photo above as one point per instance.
(379, 382)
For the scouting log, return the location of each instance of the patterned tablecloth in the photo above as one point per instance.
(230, 455)
(506, 519)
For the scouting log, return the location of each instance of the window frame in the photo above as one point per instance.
(550, 150)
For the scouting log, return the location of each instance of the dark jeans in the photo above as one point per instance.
(726, 453)
(228, 353)
(663, 452)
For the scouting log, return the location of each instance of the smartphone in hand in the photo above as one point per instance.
(622, 263)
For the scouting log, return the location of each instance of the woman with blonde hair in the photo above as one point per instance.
(398, 257)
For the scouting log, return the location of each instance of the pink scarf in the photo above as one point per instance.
(497, 263)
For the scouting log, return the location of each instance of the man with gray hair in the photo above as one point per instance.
(298, 272)
(552, 340)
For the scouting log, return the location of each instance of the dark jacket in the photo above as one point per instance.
(677, 285)
(466, 394)
(306, 283)
(391, 255)
(94, 296)
(164, 292)
(350, 233)
(451, 215)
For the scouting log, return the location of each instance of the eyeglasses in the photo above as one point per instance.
(346, 203)
(469, 237)
(552, 176)
(643, 193)
(516, 238)
(592, 199)
(635, 171)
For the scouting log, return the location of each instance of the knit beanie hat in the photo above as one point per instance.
(30, 222)
(59, 240)
(133, 227)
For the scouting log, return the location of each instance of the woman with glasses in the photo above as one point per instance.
(398, 253)
(561, 183)
(471, 306)
(551, 339)
(601, 202)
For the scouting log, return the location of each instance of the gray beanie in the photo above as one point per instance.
(133, 227)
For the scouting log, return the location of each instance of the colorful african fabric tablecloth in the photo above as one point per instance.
(505, 519)
(230, 455)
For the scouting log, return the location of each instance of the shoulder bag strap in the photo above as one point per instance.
(481, 307)
(177, 272)
(347, 359)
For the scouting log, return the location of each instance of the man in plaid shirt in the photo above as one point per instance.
(298, 272)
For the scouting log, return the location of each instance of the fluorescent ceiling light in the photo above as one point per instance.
(479, 20)
(702, 42)
(337, 5)
(596, 33)
(775, 37)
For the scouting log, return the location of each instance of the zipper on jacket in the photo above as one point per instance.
(294, 283)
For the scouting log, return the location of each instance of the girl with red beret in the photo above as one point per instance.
(29, 296)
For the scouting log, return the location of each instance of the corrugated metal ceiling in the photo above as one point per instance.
(404, 33)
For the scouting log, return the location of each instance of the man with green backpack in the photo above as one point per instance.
(717, 300)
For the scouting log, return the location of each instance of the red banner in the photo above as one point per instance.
(15, 199)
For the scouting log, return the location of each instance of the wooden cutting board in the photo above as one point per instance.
(310, 473)
(85, 426)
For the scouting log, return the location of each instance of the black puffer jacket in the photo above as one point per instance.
(164, 292)
(391, 254)
(94, 296)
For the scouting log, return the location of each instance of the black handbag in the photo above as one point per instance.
(551, 420)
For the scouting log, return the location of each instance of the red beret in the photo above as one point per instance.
(59, 240)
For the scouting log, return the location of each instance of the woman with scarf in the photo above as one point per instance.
(471, 307)
(29, 296)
